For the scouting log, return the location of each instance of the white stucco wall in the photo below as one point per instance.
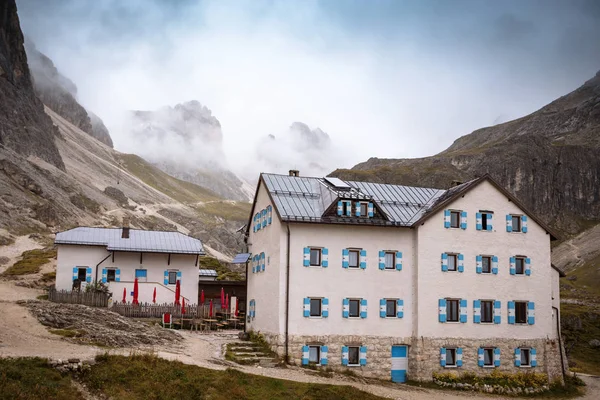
(433, 284)
(70, 256)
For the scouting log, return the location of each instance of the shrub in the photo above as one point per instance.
(31, 261)
(519, 379)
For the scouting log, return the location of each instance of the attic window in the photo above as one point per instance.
(364, 210)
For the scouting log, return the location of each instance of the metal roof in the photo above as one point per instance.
(138, 241)
(307, 199)
(241, 258)
(207, 272)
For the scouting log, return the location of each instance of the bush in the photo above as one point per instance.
(520, 379)
(31, 261)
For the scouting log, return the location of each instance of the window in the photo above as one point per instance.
(172, 277)
(452, 310)
(520, 312)
(484, 221)
(315, 257)
(315, 307)
(488, 357)
(390, 260)
(111, 275)
(520, 265)
(364, 212)
(353, 257)
(516, 223)
(487, 311)
(141, 275)
(454, 219)
(353, 355)
(314, 354)
(452, 262)
(390, 308)
(354, 308)
(347, 208)
(486, 264)
(525, 357)
(450, 357)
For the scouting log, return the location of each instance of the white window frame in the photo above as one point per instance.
(395, 308)
(455, 256)
(314, 346)
(523, 260)
(357, 356)
(366, 205)
(453, 349)
(351, 299)
(491, 322)
(493, 364)
(491, 258)
(448, 300)
(145, 279)
(173, 271)
(528, 350)
(310, 307)
(520, 223)
(357, 251)
(320, 250)
(393, 267)
(459, 212)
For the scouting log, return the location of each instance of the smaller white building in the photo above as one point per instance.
(116, 256)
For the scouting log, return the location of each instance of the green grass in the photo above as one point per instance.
(68, 333)
(582, 356)
(149, 377)
(230, 211)
(223, 273)
(33, 378)
(48, 277)
(31, 262)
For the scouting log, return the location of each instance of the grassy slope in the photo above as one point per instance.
(228, 210)
(31, 262)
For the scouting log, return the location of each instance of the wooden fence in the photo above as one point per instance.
(92, 299)
(148, 310)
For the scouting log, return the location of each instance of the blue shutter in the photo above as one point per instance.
(461, 263)
(363, 355)
(442, 310)
(345, 258)
(382, 308)
(258, 224)
(496, 357)
(357, 207)
(325, 257)
(479, 264)
(398, 261)
(528, 266)
(166, 277)
(253, 264)
(118, 275)
(513, 266)
(444, 262)
(477, 311)
(262, 261)
(270, 214)
(306, 260)
(264, 218)
(533, 356)
(443, 356)
(345, 308)
(497, 311)
(524, 224)
(179, 276)
(363, 259)
(459, 355)
(382, 260)
(495, 265)
(531, 313)
(478, 222)
(511, 312)
(340, 208)
(306, 309)
(348, 208)
(304, 355)
(75, 273)
(509, 223)
(104, 275)
(400, 308)
(324, 353)
(463, 310)
(344, 355)
(480, 357)
(446, 218)
(517, 357)
(325, 308)
(489, 221)
(254, 223)
(88, 275)
(463, 220)
(363, 308)
(371, 210)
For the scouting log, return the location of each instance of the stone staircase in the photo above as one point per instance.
(249, 353)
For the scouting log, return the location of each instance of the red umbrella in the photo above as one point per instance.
(227, 302)
(202, 296)
(222, 297)
(183, 305)
(135, 292)
(210, 309)
(237, 306)
(177, 293)
(154, 296)
(124, 295)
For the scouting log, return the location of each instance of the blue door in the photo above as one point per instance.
(399, 363)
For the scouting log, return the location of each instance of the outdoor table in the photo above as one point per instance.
(235, 321)
(211, 322)
(189, 320)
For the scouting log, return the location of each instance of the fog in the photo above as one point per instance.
(384, 78)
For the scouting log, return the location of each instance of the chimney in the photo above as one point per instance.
(294, 172)
(456, 183)
(125, 229)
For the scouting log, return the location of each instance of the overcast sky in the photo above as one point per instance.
(386, 79)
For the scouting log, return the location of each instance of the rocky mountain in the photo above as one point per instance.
(549, 159)
(186, 141)
(60, 94)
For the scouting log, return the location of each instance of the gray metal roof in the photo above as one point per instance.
(307, 199)
(241, 258)
(207, 272)
(138, 241)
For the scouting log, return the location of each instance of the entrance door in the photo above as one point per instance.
(81, 274)
(399, 363)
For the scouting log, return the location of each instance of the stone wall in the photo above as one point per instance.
(423, 354)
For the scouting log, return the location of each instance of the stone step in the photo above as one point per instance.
(257, 359)
(252, 355)
(246, 348)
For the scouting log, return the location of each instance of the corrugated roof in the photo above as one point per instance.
(241, 258)
(307, 199)
(207, 272)
(138, 241)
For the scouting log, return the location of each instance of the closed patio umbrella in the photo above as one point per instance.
(177, 293)
(227, 302)
(237, 306)
(210, 310)
(222, 298)
(154, 296)
(135, 292)
(182, 305)
(124, 295)
(202, 296)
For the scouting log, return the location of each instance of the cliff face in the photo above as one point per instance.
(548, 159)
(24, 127)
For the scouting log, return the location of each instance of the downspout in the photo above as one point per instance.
(97, 265)
(287, 295)
(560, 343)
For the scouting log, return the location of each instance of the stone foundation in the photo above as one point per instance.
(423, 354)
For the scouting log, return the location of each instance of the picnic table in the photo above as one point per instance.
(211, 322)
